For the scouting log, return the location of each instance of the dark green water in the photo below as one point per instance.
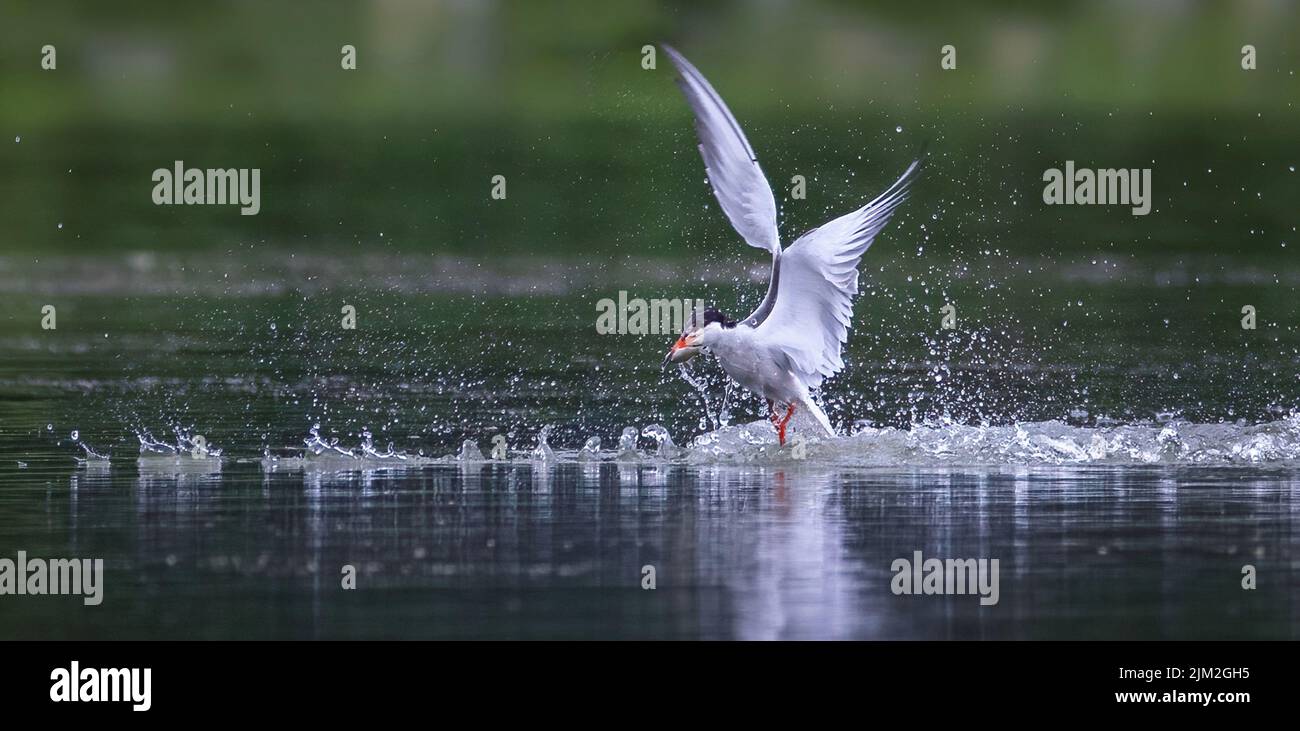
(1123, 459)
(777, 552)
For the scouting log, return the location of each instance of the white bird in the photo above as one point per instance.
(792, 342)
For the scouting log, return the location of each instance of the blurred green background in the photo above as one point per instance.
(599, 153)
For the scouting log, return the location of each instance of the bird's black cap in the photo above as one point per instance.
(714, 315)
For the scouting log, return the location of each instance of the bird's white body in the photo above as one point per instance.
(756, 366)
(792, 342)
(749, 362)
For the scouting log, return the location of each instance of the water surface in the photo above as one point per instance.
(1121, 496)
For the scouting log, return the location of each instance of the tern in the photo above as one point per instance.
(784, 349)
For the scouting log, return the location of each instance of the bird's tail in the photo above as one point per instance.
(819, 415)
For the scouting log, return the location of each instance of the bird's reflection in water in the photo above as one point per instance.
(801, 580)
(740, 551)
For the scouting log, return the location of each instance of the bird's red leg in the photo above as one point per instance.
(780, 428)
(771, 412)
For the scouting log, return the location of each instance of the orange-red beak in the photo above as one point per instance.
(680, 352)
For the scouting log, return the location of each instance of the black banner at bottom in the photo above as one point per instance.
(143, 681)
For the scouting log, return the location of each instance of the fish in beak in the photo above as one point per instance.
(681, 351)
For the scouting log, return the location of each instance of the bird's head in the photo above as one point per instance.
(700, 332)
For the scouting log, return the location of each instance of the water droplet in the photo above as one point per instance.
(18, 138)
(899, 128)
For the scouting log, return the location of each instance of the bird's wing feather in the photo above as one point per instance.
(737, 180)
(810, 318)
(764, 309)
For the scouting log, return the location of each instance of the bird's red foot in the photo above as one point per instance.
(780, 426)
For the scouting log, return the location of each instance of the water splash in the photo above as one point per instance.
(90, 454)
(319, 447)
(707, 421)
(1025, 443)
(368, 450)
(185, 442)
(590, 451)
(724, 409)
(942, 442)
(665, 448)
(627, 445)
(543, 452)
(469, 452)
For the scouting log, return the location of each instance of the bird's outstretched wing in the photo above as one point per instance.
(733, 170)
(810, 318)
